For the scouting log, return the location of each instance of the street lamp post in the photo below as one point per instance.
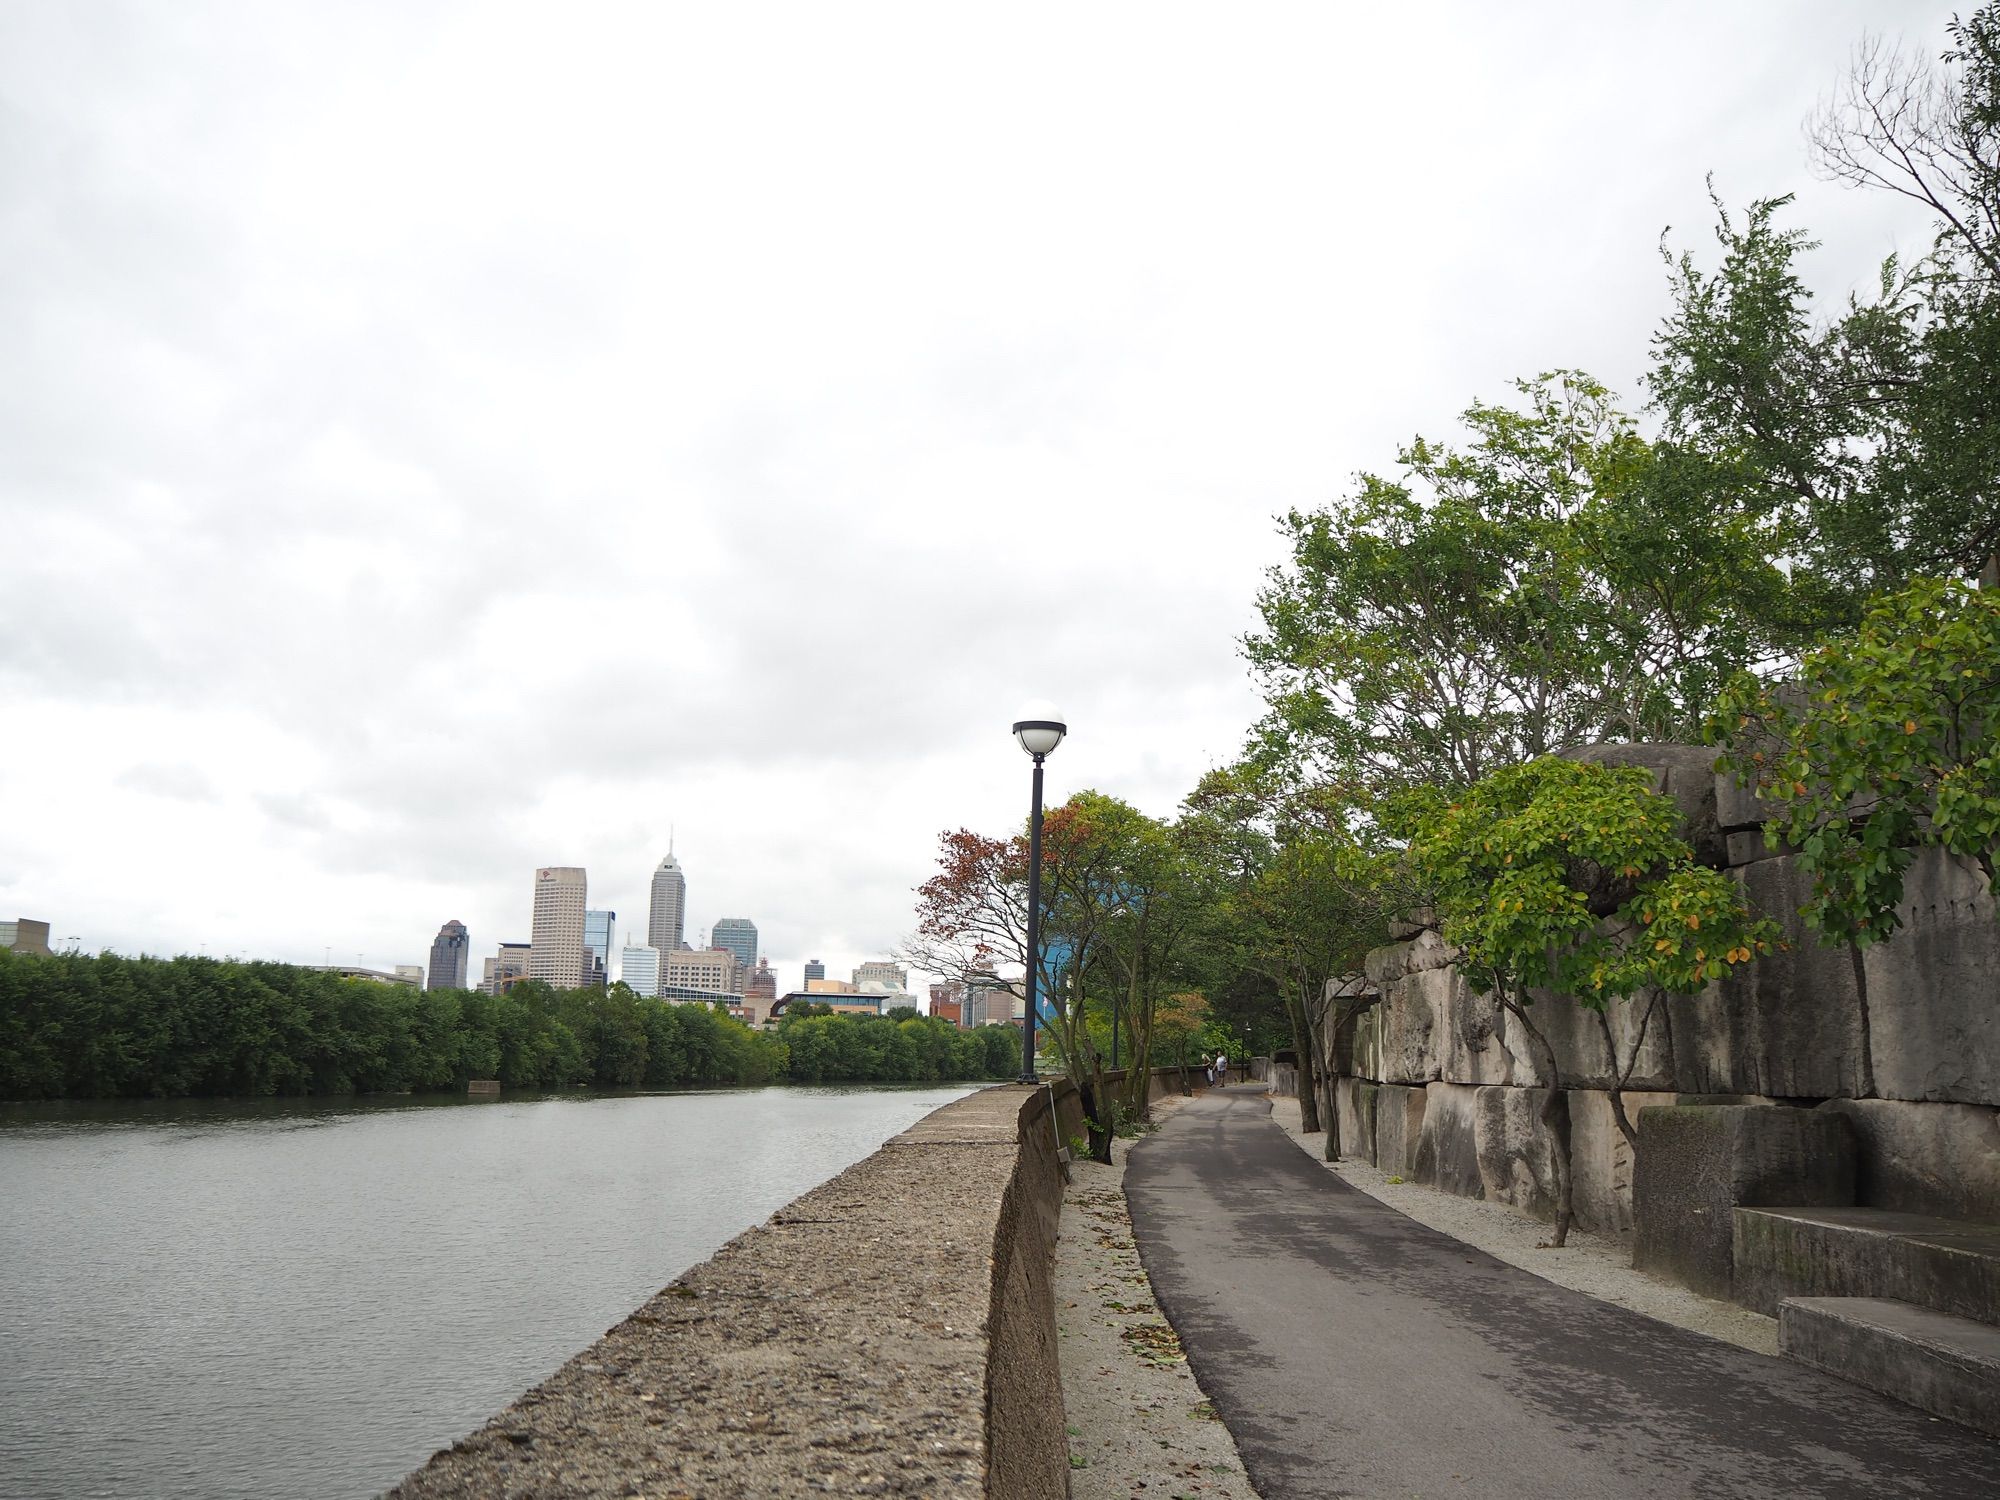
(1039, 730)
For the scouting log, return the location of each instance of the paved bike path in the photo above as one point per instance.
(1354, 1352)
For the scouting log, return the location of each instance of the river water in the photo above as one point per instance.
(306, 1298)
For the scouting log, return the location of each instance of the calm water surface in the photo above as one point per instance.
(307, 1298)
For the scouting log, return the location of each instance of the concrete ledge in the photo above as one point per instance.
(889, 1333)
(1943, 1264)
(1937, 1363)
(1698, 1162)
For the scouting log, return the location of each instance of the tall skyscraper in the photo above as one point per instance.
(814, 970)
(739, 936)
(639, 968)
(451, 952)
(597, 927)
(555, 947)
(668, 918)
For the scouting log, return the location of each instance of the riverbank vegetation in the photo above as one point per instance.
(1771, 555)
(74, 1026)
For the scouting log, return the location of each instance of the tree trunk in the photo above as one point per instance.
(1620, 1076)
(1139, 1079)
(1554, 1117)
(1095, 1128)
(1344, 1016)
(1308, 1093)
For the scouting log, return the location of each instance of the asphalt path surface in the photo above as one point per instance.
(1353, 1352)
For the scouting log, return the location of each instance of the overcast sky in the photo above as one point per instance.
(438, 441)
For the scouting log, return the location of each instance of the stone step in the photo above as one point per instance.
(1947, 1366)
(1948, 1265)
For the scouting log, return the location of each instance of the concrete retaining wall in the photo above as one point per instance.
(891, 1332)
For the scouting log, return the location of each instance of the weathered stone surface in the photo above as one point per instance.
(1411, 1020)
(1739, 808)
(1448, 1143)
(1685, 773)
(1946, 1264)
(1478, 1041)
(1399, 1127)
(1390, 962)
(1355, 1099)
(1347, 1001)
(1789, 1026)
(1949, 1367)
(1939, 1159)
(1516, 1155)
(1365, 1058)
(1574, 1032)
(1749, 846)
(1934, 989)
(1410, 923)
(1698, 1163)
(1601, 1160)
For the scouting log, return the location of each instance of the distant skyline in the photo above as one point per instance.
(439, 441)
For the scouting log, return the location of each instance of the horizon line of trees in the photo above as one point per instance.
(78, 1026)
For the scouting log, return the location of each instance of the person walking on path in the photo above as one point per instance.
(1354, 1352)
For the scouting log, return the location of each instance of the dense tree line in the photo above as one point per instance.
(822, 1047)
(73, 1026)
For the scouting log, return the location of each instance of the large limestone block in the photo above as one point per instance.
(1739, 808)
(1941, 1159)
(1354, 1099)
(1686, 773)
(1447, 1142)
(1385, 965)
(1602, 1160)
(1577, 1037)
(1366, 1058)
(1789, 1026)
(1934, 989)
(1478, 1042)
(1399, 1127)
(1750, 845)
(1516, 1155)
(1411, 1023)
(1347, 1005)
(1698, 1163)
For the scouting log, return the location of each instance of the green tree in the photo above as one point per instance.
(1574, 879)
(1870, 439)
(1889, 742)
(1553, 581)
(1310, 889)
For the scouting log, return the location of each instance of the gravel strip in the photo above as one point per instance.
(1592, 1264)
(791, 1363)
(1140, 1427)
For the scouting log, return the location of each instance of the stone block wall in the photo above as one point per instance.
(1902, 1040)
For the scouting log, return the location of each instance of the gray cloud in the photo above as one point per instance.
(476, 444)
(180, 781)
